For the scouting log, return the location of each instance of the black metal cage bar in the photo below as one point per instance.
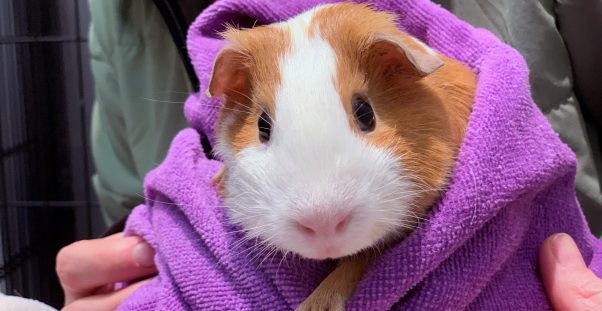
(46, 199)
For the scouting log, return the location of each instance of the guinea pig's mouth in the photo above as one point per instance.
(333, 248)
(329, 253)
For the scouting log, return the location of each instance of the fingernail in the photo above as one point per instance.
(143, 255)
(565, 250)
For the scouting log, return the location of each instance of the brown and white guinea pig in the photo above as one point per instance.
(337, 130)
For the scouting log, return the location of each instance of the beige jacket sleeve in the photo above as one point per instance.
(140, 86)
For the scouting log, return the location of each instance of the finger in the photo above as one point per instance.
(103, 302)
(114, 236)
(569, 284)
(86, 265)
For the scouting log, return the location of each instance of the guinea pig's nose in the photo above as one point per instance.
(323, 226)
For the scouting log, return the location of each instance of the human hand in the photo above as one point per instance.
(88, 270)
(569, 284)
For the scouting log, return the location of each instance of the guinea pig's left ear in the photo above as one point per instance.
(230, 74)
(402, 55)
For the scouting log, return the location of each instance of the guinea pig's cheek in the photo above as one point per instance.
(248, 194)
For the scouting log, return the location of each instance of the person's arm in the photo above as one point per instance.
(88, 270)
(140, 87)
(116, 181)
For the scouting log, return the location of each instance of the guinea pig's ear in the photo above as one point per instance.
(393, 56)
(230, 74)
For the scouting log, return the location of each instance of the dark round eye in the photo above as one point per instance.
(264, 124)
(363, 113)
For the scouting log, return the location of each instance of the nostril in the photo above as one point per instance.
(323, 226)
(305, 229)
(342, 224)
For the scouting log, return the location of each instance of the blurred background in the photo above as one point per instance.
(46, 95)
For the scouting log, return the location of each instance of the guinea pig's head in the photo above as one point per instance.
(330, 137)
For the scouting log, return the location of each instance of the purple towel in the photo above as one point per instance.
(512, 187)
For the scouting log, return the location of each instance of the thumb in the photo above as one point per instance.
(569, 284)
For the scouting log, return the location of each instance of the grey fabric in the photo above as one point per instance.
(530, 27)
(580, 23)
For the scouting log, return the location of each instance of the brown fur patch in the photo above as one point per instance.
(261, 49)
(334, 291)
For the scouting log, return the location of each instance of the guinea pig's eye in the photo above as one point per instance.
(363, 113)
(264, 124)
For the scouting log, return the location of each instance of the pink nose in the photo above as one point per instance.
(323, 226)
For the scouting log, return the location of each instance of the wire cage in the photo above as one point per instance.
(46, 200)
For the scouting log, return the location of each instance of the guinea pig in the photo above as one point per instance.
(337, 133)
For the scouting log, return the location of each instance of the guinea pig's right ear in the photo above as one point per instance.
(230, 74)
(399, 55)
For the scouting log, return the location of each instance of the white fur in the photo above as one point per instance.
(314, 163)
